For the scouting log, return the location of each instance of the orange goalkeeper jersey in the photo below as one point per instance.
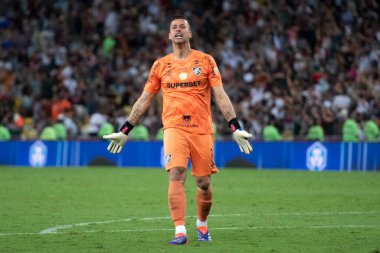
(186, 90)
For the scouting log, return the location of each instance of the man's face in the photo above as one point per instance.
(179, 31)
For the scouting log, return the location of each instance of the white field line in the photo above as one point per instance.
(233, 228)
(67, 226)
(326, 213)
(55, 230)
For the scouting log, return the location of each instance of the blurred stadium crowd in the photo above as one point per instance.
(294, 69)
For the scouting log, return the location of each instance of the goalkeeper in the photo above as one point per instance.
(186, 78)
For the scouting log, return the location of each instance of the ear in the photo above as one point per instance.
(191, 34)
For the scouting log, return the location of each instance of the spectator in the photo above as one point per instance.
(29, 131)
(315, 132)
(350, 131)
(140, 132)
(5, 135)
(48, 134)
(60, 131)
(159, 135)
(277, 58)
(270, 131)
(371, 131)
(97, 120)
(106, 128)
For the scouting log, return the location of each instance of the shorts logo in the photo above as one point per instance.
(197, 70)
(186, 118)
(168, 158)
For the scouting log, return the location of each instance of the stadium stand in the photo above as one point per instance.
(299, 62)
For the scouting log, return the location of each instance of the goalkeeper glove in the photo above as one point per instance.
(117, 142)
(118, 139)
(241, 136)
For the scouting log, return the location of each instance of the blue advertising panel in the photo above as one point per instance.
(315, 156)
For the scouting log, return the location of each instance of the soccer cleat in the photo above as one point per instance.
(203, 234)
(180, 239)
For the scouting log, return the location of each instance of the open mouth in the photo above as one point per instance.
(178, 36)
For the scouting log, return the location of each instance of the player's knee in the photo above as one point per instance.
(204, 184)
(177, 174)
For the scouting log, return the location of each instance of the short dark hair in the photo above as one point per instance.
(179, 16)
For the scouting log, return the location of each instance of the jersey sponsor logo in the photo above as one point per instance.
(187, 125)
(197, 70)
(183, 85)
(183, 76)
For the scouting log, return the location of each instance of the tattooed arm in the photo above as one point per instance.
(224, 103)
(241, 136)
(117, 140)
(140, 106)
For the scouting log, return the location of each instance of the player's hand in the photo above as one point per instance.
(241, 137)
(117, 142)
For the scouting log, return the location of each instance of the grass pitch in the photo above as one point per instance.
(125, 210)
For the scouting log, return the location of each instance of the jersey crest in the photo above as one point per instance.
(197, 71)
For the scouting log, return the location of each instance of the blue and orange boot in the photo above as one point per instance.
(179, 239)
(203, 234)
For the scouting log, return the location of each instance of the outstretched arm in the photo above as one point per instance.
(224, 103)
(139, 108)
